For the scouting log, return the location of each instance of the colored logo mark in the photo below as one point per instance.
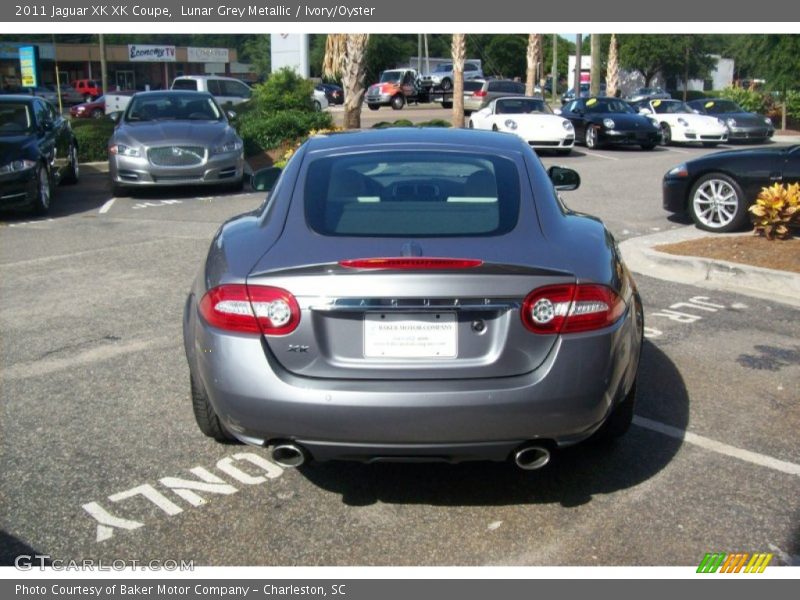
(739, 562)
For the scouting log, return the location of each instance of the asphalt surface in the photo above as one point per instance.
(96, 418)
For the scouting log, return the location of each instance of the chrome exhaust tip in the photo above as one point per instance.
(288, 455)
(531, 458)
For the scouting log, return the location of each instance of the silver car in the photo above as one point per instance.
(416, 294)
(174, 138)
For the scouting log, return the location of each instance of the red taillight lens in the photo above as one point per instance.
(251, 309)
(416, 263)
(571, 308)
(480, 94)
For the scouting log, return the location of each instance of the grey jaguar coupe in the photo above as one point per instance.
(413, 295)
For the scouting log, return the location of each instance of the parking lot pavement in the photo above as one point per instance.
(102, 459)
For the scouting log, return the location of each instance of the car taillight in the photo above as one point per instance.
(251, 309)
(571, 308)
(480, 94)
(417, 263)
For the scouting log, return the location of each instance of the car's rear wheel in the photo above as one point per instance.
(373, 106)
(207, 419)
(590, 137)
(447, 105)
(41, 204)
(73, 171)
(471, 125)
(447, 85)
(716, 203)
(666, 134)
(119, 191)
(317, 106)
(398, 102)
(619, 421)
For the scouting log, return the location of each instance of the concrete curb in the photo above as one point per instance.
(94, 167)
(769, 284)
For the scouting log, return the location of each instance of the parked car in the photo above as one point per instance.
(648, 93)
(96, 109)
(319, 100)
(44, 92)
(717, 189)
(529, 118)
(444, 306)
(37, 152)
(742, 125)
(69, 95)
(478, 93)
(333, 93)
(600, 121)
(174, 138)
(395, 88)
(442, 75)
(585, 92)
(88, 88)
(226, 90)
(680, 124)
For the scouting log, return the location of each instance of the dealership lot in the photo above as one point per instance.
(102, 458)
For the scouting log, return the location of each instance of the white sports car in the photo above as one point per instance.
(529, 118)
(679, 123)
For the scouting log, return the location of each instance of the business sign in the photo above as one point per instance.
(150, 53)
(10, 50)
(29, 65)
(207, 55)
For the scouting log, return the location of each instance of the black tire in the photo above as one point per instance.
(447, 105)
(207, 420)
(590, 137)
(494, 128)
(728, 216)
(398, 102)
(447, 85)
(666, 134)
(44, 191)
(619, 421)
(73, 170)
(98, 113)
(235, 187)
(373, 106)
(648, 146)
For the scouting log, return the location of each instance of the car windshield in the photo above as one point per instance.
(15, 118)
(670, 107)
(607, 105)
(412, 194)
(391, 76)
(521, 106)
(158, 107)
(714, 107)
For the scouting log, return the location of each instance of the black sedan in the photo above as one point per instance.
(717, 189)
(333, 93)
(37, 151)
(601, 120)
(742, 125)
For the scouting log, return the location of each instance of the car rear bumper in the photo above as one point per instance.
(563, 401)
(219, 169)
(18, 189)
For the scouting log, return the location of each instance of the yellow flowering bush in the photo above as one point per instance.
(293, 148)
(777, 210)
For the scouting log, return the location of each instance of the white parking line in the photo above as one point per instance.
(715, 446)
(601, 156)
(107, 206)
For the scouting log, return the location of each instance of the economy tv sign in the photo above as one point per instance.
(150, 53)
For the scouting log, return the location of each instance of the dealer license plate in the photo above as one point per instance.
(403, 335)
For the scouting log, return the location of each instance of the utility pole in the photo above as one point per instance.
(576, 82)
(554, 71)
(103, 66)
(419, 53)
(427, 58)
(595, 82)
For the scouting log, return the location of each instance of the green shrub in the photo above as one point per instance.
(284, 90)
(407, 123)
(793, 105)
(262, 131)
(751, 101)
(92, 136)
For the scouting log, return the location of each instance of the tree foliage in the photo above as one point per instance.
(671, 56)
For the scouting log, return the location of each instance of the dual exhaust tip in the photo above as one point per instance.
(528, 458)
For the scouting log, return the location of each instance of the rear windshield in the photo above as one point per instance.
(473, 86)
(412, 194)
(184, 84)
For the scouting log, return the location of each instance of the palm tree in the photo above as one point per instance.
(594, 84)
(534, 56)
(459, 49)
(612, 73)
(345, 54)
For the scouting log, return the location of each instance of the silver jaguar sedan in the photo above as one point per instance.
(174, 138)
(413, 294)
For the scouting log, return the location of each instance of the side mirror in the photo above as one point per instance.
(115, 116)
(231, 114)
(564, 179)
(264, 179)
